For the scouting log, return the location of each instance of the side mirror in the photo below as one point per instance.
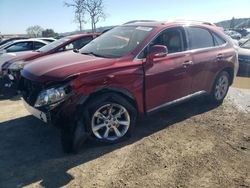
(157, 51)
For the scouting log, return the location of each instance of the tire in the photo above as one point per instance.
(109, 118)
(72, 137)
(220, 88)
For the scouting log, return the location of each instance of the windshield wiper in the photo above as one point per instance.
(93, 54)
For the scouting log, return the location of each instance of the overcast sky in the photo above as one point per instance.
(17, 15)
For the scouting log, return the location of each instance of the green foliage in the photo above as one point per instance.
(49, 33)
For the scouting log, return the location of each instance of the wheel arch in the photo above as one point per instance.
(109, 90)
(230, 71)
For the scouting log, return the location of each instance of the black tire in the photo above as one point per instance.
(106, 99)
(213, 97)
(72, 137)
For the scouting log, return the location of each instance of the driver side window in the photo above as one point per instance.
(172, 38)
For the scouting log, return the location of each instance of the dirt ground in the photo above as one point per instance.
(193, 144)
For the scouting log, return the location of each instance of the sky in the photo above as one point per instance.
(17, 15)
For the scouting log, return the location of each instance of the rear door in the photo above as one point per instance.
(168, 78)
(207, 55)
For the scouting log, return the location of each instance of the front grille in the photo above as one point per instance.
(29, 90)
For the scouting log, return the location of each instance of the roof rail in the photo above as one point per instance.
(134, 21)
(193, 21)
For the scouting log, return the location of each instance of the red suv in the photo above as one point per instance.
(136, 68)
(10, 70)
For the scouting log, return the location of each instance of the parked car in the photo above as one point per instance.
(244, 39)
(131, 70)
(4, 41)
(22, 45)
(11, 68)
(233, 34)
(244, 58)
(47, 39)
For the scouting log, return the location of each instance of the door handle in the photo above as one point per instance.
(220, 56)
(187, 63)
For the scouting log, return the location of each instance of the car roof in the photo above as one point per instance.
(24, 40)
(32, 40)
(150, 23)
(82, 35)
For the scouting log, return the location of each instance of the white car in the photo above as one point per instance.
(233, 34)
(19, 47)
(48, 39)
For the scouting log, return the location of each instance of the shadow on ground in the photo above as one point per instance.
(30, 151)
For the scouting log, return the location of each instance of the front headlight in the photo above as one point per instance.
(52, 96)
(18, 65)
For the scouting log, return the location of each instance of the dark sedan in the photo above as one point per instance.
(244, 58)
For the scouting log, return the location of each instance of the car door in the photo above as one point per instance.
(168, 78)
(206, 56)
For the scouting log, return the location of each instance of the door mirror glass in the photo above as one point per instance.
(157, 51)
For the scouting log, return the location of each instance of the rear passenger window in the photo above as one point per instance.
(82, 42)
(199, 38)
(218, 40)
(38, 45)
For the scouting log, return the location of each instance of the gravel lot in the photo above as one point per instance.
(190, 145)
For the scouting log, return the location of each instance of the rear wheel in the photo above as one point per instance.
(220, 87)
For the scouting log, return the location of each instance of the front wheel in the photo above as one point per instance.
(220, 87)
(111, 118)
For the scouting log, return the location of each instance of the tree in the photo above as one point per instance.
(95, 9)
(34, 31)
(78, 6)
(232, 23)
(49, 33)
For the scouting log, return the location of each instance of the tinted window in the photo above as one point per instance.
(38, 45)
(218, 40)
(82, 42)
(199, 38)
(21, 46)
(172, 38)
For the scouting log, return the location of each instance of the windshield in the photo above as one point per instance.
(6, 44)
(246, 45)
(53, 45)
(117, 42)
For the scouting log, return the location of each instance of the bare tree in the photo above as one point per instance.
(95, 9)
(34, 31)
(79, 9)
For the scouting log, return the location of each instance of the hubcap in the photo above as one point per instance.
(110, 122)
(221, 87)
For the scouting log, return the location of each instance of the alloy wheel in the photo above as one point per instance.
(110, 122)
(221, 87)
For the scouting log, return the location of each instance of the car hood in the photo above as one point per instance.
(9, 58)
(244, 52)
(60, 66)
